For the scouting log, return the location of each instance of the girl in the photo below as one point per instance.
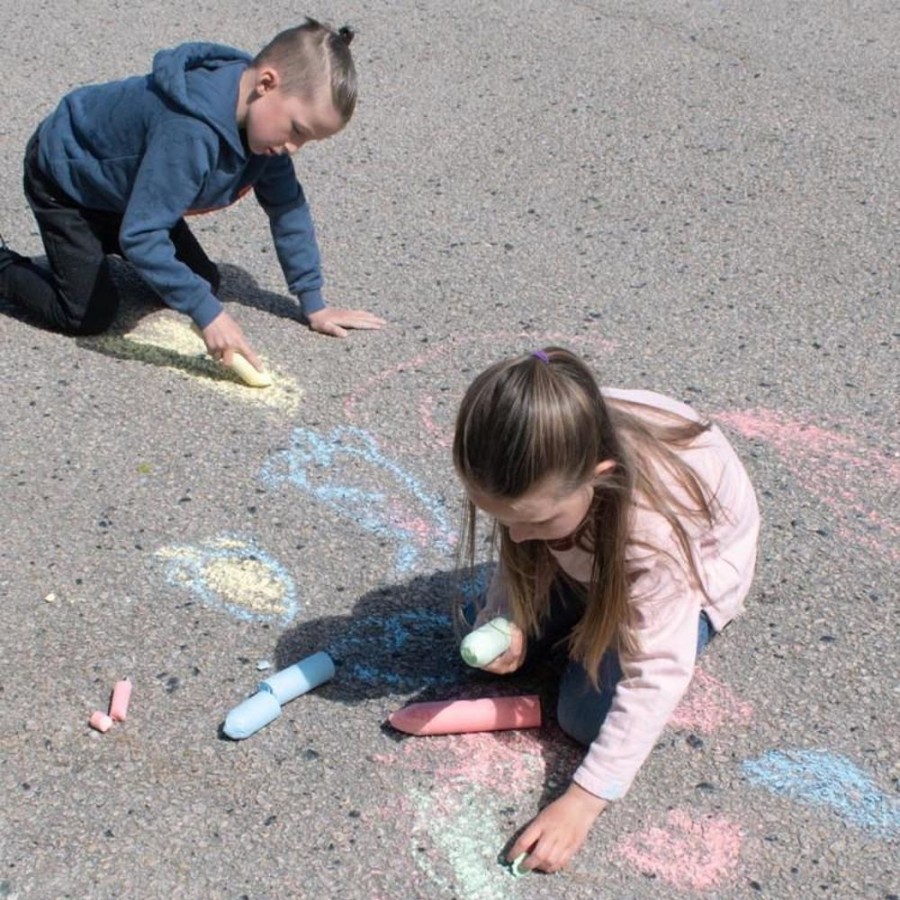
(626, 529)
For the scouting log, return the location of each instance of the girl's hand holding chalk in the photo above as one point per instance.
(556, 833)
(510, 659)
(483, 645)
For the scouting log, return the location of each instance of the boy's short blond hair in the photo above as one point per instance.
(309, 54)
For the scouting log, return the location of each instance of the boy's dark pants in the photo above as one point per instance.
(78, 295)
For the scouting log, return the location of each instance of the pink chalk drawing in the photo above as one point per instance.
(837, 469)
(415, 376)
(458, 798)
(709, 705)
(688, 854)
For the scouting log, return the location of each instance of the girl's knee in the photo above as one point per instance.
(579, 718)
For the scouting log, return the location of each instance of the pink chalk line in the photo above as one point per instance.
(708, 705)
(837, 468)
(468, 346)
(688, 854)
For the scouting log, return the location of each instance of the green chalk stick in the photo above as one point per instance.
(515, 866)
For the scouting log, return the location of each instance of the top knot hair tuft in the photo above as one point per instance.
(345, 34)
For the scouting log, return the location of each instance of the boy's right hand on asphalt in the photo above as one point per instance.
(223, 336)
(511, 658)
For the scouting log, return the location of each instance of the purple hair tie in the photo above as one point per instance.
(542, 356)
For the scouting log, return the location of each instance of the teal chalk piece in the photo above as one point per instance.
(516, 869)
(821, 778)
(265, 705)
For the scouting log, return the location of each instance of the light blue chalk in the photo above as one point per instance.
(254, 713)
(821, 778)
(309, 673)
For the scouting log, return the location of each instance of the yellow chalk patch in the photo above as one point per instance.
(172, 343)
(247, 583)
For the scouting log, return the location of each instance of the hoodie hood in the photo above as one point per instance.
(200, 97)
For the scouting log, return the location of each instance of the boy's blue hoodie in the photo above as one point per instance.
(157, 147)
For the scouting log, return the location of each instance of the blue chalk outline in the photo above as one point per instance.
(366, 508)
(187, 571)
(822, 778)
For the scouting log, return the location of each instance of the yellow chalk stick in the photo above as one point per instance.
(248, 373)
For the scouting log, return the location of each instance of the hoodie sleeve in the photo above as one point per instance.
(667, 609)
(293, 233)
(159, 198)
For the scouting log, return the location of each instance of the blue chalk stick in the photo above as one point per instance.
(254, 713)
(299, 678)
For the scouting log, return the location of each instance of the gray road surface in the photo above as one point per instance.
(702, 198)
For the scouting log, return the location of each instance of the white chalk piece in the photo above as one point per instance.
(254, 713)
(309, 673)
(485, 644)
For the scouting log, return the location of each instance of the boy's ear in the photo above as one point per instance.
(267, 80)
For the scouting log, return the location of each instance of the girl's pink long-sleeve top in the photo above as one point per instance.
(666, 601)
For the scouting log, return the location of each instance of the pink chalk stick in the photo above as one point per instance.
(461, 716)
(118, 702)
(100, 721)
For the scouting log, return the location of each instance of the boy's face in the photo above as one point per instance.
(279, 123)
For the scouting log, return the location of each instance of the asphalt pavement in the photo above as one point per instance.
(702, 199)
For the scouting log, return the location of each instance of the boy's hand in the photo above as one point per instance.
(336, 321)
(511, 658)
(223, 336)
(556, 833)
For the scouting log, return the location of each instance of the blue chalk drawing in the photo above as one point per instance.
(233, 574)
(369, 650)
(388, 502)
(821, 778)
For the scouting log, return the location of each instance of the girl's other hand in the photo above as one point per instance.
(557, 832)
(511, 658)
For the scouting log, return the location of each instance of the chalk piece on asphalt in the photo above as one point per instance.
(118, 702)
(248, 373)
(516, 868)
(100, 721)
(254, 713)
(486, 643)
(461, 716)
(309, 673)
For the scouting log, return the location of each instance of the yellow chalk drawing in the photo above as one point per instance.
(172, 343)
(234, 575)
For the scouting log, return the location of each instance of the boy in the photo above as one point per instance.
(116, 167)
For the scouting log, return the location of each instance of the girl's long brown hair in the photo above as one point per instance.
(540, 415)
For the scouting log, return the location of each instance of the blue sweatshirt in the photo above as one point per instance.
(157, 147)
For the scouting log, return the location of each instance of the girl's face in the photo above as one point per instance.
(550, 511)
